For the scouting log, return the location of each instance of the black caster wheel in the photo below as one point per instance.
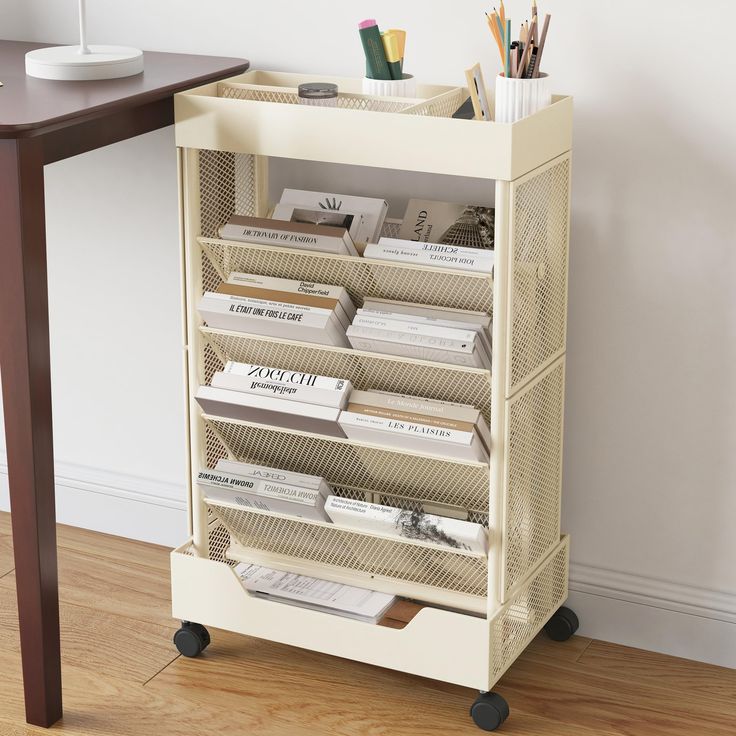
(562, 625)
(489, 711)
(191, 639)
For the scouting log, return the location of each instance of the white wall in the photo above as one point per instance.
(650, 466)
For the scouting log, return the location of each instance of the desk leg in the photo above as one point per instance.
(26, 379)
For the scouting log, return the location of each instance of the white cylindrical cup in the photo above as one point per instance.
(404, 87)
(518, 98)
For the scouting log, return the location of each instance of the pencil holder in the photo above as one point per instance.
(517, 98)
(404, 87)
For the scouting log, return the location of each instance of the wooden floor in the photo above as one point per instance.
(122, 674)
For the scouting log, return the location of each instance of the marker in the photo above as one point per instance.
(393, 53)
(376, 66)
(401, 36)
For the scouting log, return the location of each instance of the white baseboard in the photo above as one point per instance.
(658, 615)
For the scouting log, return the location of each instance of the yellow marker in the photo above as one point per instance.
(401, 36)
(393, 55)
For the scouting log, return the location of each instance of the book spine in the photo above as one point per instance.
(292, 391)
(268, 236)
(410, 416)
(261, 472)
(266, 488)
(431, 254)
(409, 429)
(290, 378)
(438, 355)
(416, 405)
(359, 329)
(415, 525)
(269, 311)
(414, 328)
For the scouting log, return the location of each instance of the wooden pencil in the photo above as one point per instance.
(542, 39)
(494, 30)
(502, 14)
(527, 50)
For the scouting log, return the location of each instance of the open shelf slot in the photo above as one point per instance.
(351, 467)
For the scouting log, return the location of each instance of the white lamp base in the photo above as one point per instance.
(67, 63)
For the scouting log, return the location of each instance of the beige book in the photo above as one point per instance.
(404, 416)
(287, 297)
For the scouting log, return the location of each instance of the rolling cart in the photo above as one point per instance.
(486, 607)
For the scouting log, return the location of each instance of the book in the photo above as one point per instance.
(432, 254)
(293, 385)
(351, 221)
(419, 437)
(417, 333)
(267, 231)
(272, 319)
(417, 408)
(315, 594)
(483, 339)
(480, 322)
(361, 338)
(313, 482)
(237, 491)
(407, 524)
(373, 210)
(334, 297)
(428, 221)
(269, 410)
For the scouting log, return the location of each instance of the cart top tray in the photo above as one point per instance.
(256, 113)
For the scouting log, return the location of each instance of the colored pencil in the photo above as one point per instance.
(494, 30)
(527, 50)
(502, 13)
(507, 47)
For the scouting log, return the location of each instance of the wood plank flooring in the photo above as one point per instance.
(122, 675)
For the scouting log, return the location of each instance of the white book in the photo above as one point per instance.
(348, 601)
(312, 482)
(290, 391)
(417, 525)
(434, 409)
(272, 319)
(413, 436)
(432, 254)
(267, 410)
(418, 317)
(374, 210)
(266, 231)
(461, 315)
(308, 288)
(417, 333)
(361, 338)
(236, 491)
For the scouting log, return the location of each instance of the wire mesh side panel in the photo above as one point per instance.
(364, 370)
(227, 186)
(360, 277)
(533, 474)
(330, 545)
(525, 614)
(347, 465)
(539, 257)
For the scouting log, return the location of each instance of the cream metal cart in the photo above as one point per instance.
(483, 611)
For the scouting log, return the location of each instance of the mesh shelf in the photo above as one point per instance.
(329, 544)
(354, 466)
(361, 277)
(365, 370)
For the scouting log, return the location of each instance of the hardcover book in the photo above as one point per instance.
(373, 210)
(432, 254)
(407, 524)
(427, 221)
(313, 482)
(266, 231)
(271, 411)
(238, 491)
(272, 319)
(350, 221)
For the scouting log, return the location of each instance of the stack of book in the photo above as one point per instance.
(417, 331)
(407, 524)
(240, 485)
(314, 221)
(432, 427)
(266, 395)
(276, 307)
(303, 591)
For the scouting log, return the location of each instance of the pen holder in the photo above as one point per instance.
(517, 98)
(404, 87)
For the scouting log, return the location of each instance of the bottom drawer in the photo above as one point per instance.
(210, 593)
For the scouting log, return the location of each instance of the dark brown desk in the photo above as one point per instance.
(41, 122)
